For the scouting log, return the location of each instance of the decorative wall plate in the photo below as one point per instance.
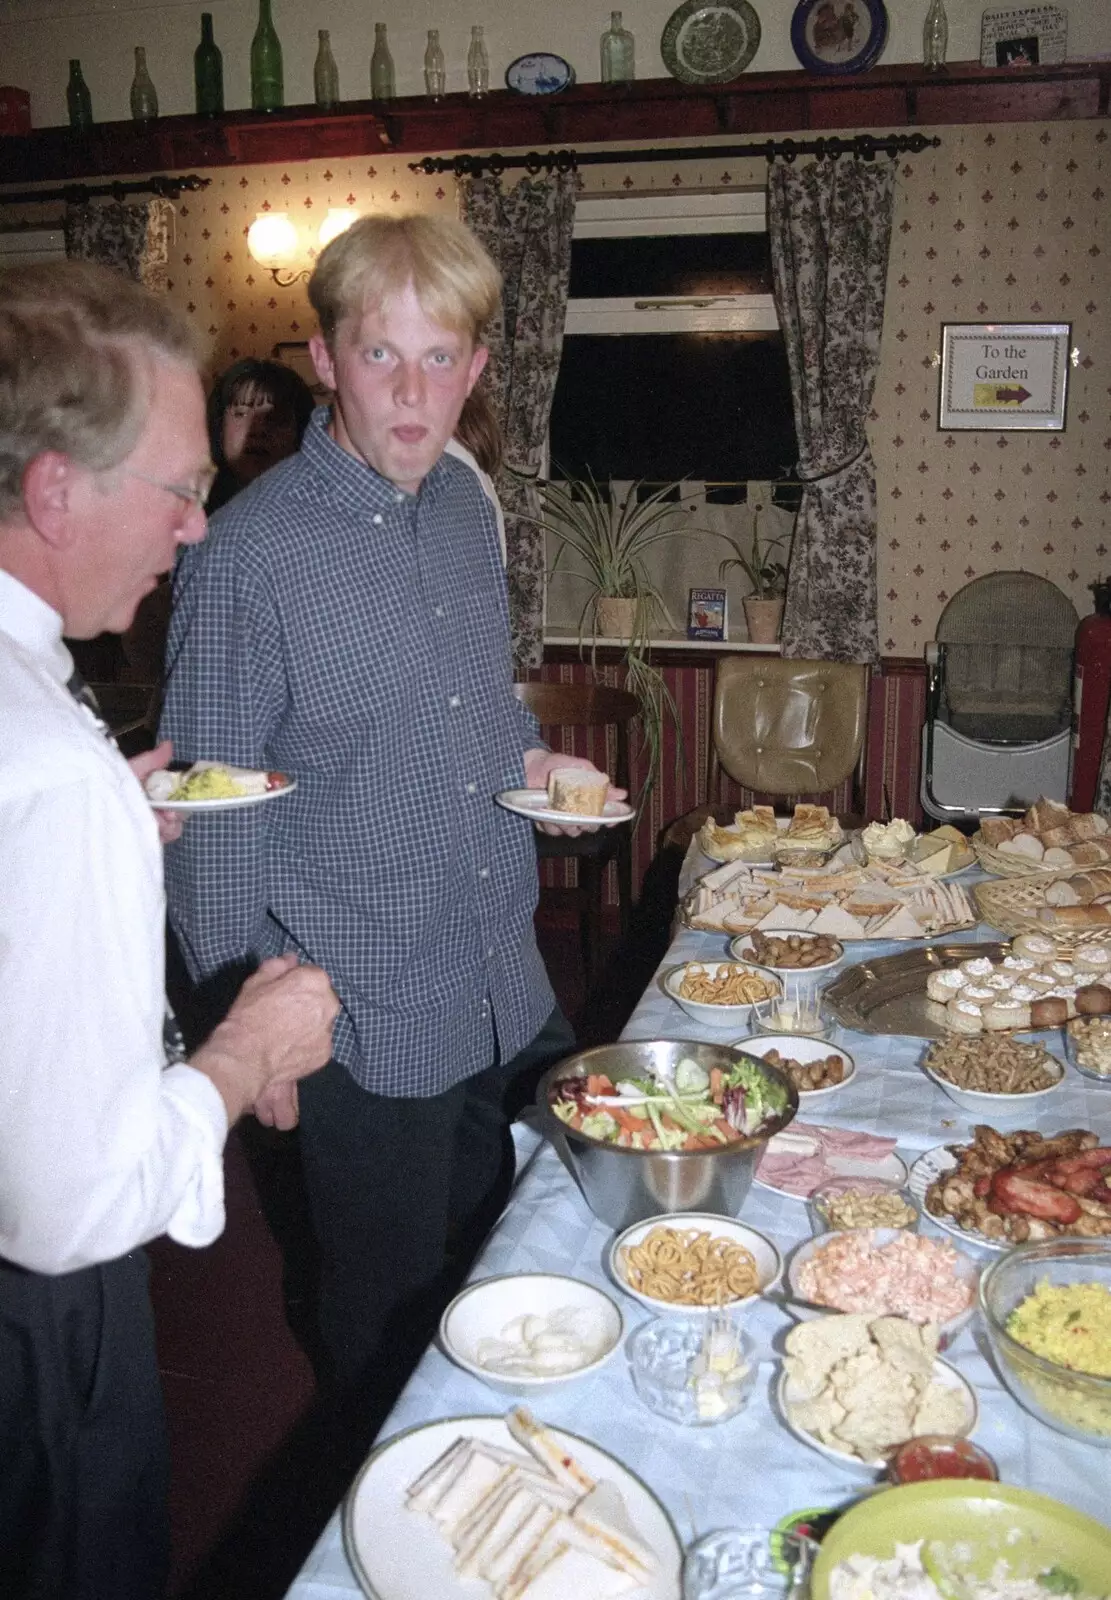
(541, 73)
(833, 37)
(710, 42)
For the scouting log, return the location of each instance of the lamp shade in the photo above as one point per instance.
(272, 239)
(338, 220)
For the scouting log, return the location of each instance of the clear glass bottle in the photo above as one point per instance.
(382, 83)
(325, 73)
(618, 52)
(435, 72)
(267, 83)
(144, 96)
(208, 72)
(935, 36)
(478, 65)
(78, 99)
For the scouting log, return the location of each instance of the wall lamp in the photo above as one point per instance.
(272, 242)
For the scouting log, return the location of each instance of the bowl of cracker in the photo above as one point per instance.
(855, 1388)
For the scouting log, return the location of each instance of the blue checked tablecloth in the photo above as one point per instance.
(749, 1470)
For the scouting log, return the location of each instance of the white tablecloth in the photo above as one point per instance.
(749, 1470)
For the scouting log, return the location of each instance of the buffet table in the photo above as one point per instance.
(750, 1470)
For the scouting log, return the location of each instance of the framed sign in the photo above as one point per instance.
(999, 375)
(1023, 36)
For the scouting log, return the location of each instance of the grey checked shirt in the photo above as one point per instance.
(357, 638)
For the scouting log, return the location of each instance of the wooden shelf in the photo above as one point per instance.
(659, 108)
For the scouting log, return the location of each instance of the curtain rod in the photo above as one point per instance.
(79, 194)
(864, 145)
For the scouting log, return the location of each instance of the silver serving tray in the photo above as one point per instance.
(888, 995)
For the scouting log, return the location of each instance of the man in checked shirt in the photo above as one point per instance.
(346, 622)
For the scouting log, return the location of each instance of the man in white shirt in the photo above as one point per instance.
(104, 468)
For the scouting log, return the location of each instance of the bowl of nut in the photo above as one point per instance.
(992, 1075)
(861, 1203)
(814, 1069)
(1088, 1047)
(788, 951)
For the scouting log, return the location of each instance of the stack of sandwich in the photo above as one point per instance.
(1049, 836)
(534, 1526)
(751, 833)
(811, 829)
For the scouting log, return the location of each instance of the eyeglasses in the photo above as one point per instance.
(194, 495)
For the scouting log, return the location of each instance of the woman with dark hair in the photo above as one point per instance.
(257, 414)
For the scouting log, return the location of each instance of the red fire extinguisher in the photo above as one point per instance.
(1090, 698)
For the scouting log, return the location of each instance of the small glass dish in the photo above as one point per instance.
(1088, 1047)
(800, 1011)
(733, 1564)
(940, 1455)
(830, 1206)
(693, 1373)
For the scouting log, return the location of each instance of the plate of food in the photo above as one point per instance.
(1008, 1188)
(760, 838)
(214, 786)
(886, 1272)
(575, 797)
(1047, 838)
(693, 1263)
(856, 1388)
(454, 1508)
(808, 1154)
(789, 951)
(942, 854)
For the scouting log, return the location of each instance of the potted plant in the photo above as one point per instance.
(611, 538)
(768, 577)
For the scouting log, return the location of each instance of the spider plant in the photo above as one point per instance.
(767, 576)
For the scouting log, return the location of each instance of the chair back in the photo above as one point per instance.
(1007, 643)
(589, 705)
(789, 727)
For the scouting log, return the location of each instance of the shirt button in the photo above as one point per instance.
(490, 952)
(454, 702)
(484, 872)
(439, 611)
(377, 521)
(472, 788)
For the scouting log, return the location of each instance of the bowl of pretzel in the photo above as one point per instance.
(720, 994)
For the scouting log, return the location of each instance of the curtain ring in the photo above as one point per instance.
(788, 151)
(565, 161)
(534, 163)
(495, 164)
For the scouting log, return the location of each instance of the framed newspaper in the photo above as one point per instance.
(1023, 36)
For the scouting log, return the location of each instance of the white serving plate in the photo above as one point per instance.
(769, 1262)
(533, 803)
(943, 1372)
(237, 802)
(890, 1166)
(483, 1309)
(930, 1165)
(398, 1554)
(992, 1108)
(740, 948)
(804, 1049)
(709, 1015)
(947, 1331)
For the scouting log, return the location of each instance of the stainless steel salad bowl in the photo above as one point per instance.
(623, 1186)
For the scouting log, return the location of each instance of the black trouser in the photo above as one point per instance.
(393, 1184)
(83, 1457)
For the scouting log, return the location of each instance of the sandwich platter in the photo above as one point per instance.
(400, 1553)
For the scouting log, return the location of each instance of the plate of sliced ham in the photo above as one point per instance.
(808, 1154)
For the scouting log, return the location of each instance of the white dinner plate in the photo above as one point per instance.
(228, 803)
(398, 1554)
(890, 1167)
(533, 803)
(929, 1166)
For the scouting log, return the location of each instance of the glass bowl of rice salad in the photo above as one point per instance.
(1047, 1310)
(886, 1272)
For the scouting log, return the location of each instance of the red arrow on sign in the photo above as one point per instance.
(1004, 396)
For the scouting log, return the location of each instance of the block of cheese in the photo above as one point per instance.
(580, 790)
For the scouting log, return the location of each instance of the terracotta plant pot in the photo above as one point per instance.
(763, 618)
(614, 618)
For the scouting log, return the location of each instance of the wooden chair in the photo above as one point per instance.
(592, 706)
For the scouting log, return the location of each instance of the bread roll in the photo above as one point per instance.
(994, 830)
(1062, 893)
(1027, 845)
(1093, 1000)
(1045, 814)
(579, 790)
(1087, 825)
(1089, 884)
(1076, 916)
(1049, 1013)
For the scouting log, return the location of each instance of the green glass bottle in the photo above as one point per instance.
(267, 90)
(381, 66)
(208, 72)
(325, 73)
(78, 99)
(144, 96)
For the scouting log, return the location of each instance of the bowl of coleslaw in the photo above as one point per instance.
(649, 1126)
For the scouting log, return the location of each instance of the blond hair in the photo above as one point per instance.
(72, 338)
(455, 282)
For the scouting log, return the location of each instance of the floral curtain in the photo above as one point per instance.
(527, 231)
(830, 229)
(132, 238)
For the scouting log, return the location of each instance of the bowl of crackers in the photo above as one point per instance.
(720, 994)
(856, 1387)
(991, 1075)
(693, 1264)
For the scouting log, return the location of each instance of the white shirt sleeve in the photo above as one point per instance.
(100, 1148)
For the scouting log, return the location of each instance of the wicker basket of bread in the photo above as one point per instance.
(1072, 908)
(1049, 838)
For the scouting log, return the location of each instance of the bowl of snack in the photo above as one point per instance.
(531, 1330)
(856, 1388)
(789, 951)
(861, 1203)
(886, 1272)
(1047, 1310)
(813, 1067)
(992, 1076)
(693, 1265)
(693, 1373)
(650, 1126)
(797, 1013)
(1088, 1047)
(720, 994)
